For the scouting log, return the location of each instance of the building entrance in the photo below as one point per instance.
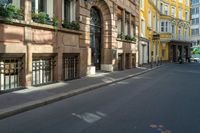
(95, 37)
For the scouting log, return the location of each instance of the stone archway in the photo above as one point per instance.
(105, 57)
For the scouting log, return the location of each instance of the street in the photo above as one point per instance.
(166, 99)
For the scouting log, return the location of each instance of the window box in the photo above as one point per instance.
(126, 38)
(71, 25)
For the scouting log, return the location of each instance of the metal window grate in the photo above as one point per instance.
(10, 70)
(71, 67)
(42, 71)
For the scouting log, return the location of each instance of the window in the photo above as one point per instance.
(119, 25)
(10, 73)
(173, 12)
(179, 33)
(195, 32)
(143, 27)
(186, 34)
(133, 27)
(180, 13)
(173, 31)
(127, 19)
(154, 23)
(186, 16)
(161, 8)
(187, 2)
(43, 6)
(166, 12)
(193, 11)
(149, 18)
(197, 10)
(133, 31)
(71, 66)
(142, 4)
(195, 21)
(165, 26)
(42, 71)
(162, 26)
(69, 10)
(14, 2)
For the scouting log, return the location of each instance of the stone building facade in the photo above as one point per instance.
(33, 54)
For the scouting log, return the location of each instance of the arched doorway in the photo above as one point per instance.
(95, 37)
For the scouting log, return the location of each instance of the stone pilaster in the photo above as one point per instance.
(27, 10)
(58, 11)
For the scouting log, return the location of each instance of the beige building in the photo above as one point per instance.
(86, 36)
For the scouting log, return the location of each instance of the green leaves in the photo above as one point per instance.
(124, 37)
(196, 52)
(10, 12)
(71, 25)
(41, 18)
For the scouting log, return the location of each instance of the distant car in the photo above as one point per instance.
(195, 59)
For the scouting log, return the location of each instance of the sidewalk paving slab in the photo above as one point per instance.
(23, 100)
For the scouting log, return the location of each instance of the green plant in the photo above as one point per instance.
(196, 52)
(127, 37)
(121, 36)
(71, 25)
(55, 21)
(10, 11)
(40, 17)
(133, 39)
(124, 37)
(3, 12)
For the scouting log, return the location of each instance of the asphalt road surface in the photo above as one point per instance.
(167, 100)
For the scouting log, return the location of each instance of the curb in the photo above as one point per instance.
(45, 101)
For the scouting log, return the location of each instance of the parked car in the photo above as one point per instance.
(195, 59)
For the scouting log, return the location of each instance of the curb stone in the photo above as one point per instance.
(8, 112)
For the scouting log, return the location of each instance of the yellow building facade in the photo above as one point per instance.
(164, 30)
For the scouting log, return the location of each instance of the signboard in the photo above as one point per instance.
(156, 37)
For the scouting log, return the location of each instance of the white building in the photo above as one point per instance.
(195, 16)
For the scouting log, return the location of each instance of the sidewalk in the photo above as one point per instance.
(33, 97)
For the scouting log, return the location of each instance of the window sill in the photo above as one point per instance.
(126, 41)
